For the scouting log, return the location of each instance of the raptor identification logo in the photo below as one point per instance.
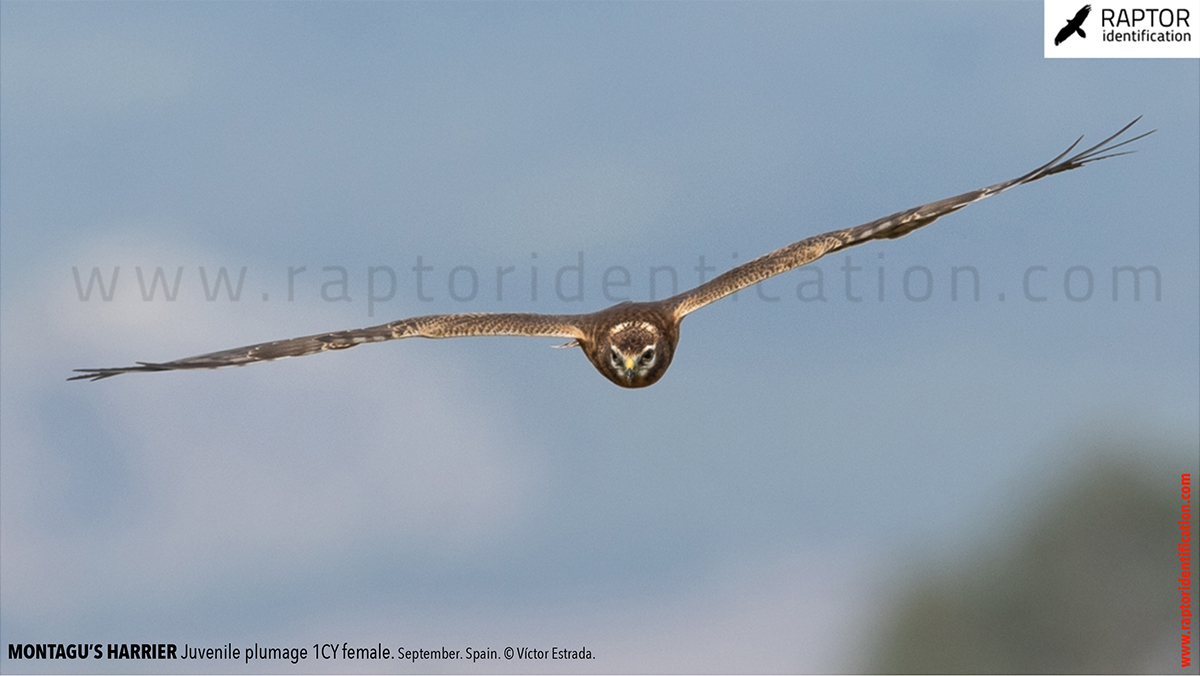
(1121, 29)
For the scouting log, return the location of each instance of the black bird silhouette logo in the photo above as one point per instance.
(1073, 26)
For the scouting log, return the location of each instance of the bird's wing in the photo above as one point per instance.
(888, 227)
(430, 326)
(1064, 32)
(1080, 16)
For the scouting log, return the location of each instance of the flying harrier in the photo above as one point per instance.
(1073, 26)
(630, 343)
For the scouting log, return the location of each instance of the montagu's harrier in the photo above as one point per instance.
(630, 343)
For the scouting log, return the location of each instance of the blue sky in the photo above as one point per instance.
(497, 492)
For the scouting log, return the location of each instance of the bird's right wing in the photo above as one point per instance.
(430, 326)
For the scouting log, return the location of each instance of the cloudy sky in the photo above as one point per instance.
(741, 515)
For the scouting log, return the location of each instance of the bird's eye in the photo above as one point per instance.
(648, 356)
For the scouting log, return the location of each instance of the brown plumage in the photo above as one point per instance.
(631, 344)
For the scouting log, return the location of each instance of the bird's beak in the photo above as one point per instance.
(628, 370)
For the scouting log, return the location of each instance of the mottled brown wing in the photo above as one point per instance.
(430, 326)
(888, 227)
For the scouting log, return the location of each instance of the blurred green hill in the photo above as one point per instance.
(1085, 583)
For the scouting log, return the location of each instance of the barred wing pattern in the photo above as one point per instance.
(429, 326)
(888, 227)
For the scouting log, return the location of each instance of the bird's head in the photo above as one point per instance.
(633, 354)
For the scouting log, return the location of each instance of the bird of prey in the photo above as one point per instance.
(1073, 26)
(630, 343)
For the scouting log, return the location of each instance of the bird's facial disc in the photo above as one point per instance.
(632, 364)
(635, 354)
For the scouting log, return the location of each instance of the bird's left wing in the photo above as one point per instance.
(888, 227)
(1064, 33)
(430, 326)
